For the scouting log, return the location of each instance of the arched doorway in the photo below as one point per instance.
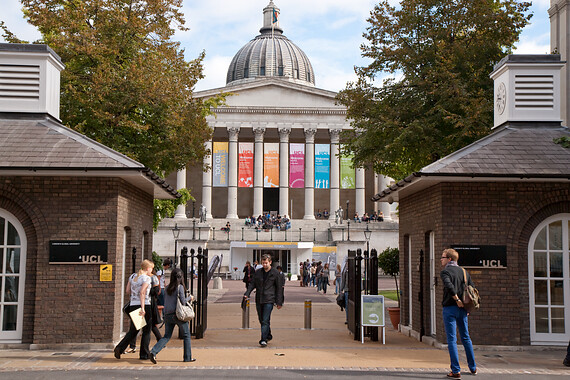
(12, 277)
(549, 281)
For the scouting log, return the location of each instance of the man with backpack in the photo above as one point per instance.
(455, 279)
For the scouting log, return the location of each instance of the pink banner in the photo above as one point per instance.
(245, 165)
(296, 165)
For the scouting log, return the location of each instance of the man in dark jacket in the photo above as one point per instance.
(268, 291)
(454, 314)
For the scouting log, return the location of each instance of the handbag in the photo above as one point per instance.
(126, 307)
(471, 299)
(185, 312)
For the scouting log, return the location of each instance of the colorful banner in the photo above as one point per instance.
(271, 165)
(220, 164)
(322, 165)
(347, 173)
(245, 176)
(296, 165)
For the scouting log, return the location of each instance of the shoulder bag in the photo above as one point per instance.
(471, 299)
(184, 312)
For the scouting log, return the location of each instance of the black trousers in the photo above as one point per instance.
(144, 352)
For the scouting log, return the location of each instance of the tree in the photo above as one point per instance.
(437, 96)
(389, 262)
(126, 83)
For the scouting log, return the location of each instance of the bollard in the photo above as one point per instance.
(245, 316)
(308, 312)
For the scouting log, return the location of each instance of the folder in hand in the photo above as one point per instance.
(138, 320)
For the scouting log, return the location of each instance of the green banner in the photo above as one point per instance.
(347, 172)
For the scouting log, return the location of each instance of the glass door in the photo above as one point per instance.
(13, 257)
(549, 281)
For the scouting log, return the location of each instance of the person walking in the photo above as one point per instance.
(248, 272)
(139, 289)
(337, 279)
(325, 272)
(174, 292)
(454, 314)
(267, 285)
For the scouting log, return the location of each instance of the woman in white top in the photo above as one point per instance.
(139, 290)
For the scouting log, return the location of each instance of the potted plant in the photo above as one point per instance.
(389, 262)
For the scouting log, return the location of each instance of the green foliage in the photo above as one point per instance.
(564, 141)
(157, 261)
(166, 208)
(126, 83)
(389, 262)
(427, 91)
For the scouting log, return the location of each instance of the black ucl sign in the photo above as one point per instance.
(78, 251)
(482, 256)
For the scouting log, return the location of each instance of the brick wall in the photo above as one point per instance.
(479, 214)
(67, 303)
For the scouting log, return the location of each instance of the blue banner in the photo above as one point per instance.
(322, 165)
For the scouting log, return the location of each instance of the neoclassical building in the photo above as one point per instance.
(275, 149)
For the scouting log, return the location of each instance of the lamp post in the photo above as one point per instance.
(367, 234)
(193, 228)
(347, 205)
(176, 234)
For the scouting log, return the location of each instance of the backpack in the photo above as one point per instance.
(471, 299)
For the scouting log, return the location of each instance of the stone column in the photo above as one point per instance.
(335, 172)
(233, 133)
(180, 184)
(284, 170)
(207, 182)
(384, 207)
(258, 172)
(310, 173)
(360, 192)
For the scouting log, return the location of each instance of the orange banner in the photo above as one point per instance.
(271, 165)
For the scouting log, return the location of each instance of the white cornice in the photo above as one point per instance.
(285, 110)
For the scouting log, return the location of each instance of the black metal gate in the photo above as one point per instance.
(199, 324)
(361, 282)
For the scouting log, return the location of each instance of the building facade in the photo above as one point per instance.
(72, 212)
(275, 150)
(503, 203)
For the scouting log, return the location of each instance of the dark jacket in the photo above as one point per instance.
(268, 291)
(248, 274)
(453, 284)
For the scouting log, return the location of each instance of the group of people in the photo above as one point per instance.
(268, 221)
(375, 217)
(145, 288)
(316, 274)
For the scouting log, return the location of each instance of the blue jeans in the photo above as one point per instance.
(264, 314)
(346, 304)
(337, 285)
(456, 317)
(170, 321)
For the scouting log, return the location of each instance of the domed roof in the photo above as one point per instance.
(271, 54)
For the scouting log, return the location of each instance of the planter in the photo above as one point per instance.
(394, 313)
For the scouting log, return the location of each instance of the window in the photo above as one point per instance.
(549, 279)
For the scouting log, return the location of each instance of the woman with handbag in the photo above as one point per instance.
(175, 292)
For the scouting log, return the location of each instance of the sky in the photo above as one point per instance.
(328, 31)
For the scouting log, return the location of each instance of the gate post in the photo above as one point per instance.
(373, 286)
(184, 265)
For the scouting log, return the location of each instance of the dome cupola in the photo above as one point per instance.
(271, 54)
